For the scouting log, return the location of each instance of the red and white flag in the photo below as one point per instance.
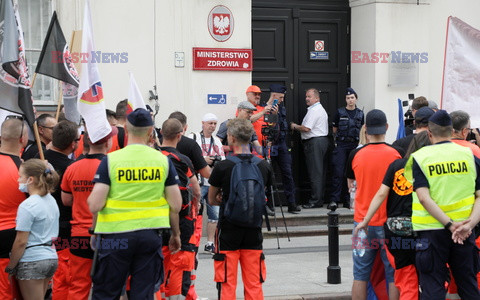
(461, 71)
(135, 99)
(90, 92)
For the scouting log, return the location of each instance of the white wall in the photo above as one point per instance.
(128, 26)
(407, 28)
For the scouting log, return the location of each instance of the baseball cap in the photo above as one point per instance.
(209, 117)
(253, 89)
(246, 105)
(423, 114)
(376, 122)
(140, 118)
(113, 132)
(432, 104)
(278, 88)
(441, 118)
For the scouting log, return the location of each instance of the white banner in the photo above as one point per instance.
(461, 74)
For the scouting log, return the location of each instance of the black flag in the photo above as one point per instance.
(55, 59)
(15, 94)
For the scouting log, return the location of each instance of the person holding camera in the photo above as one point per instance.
(280, 153)
(212, 151)
(253, 96)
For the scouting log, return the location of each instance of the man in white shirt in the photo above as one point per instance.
(314, 131)
(212, 151)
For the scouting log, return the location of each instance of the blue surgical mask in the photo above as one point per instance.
(23, 187)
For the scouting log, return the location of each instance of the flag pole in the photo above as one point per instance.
(33, 81)
(60, 99)
(39, 142)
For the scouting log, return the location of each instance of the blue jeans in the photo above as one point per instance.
(362, 266)
(212, 210)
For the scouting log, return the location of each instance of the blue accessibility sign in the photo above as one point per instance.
(318, 55)
(217, 98)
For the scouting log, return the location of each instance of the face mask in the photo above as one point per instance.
(23, 187)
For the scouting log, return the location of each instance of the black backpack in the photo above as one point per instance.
(246, 202)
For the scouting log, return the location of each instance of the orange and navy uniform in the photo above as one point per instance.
(10, 199)
(232, 250)
(77, 181)
(178, 266)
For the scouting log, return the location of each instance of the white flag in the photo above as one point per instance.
(461, 73)
(135, 99)
(90, 93)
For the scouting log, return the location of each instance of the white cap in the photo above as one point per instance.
(209, 117)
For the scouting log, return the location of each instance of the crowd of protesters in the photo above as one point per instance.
(122, 216)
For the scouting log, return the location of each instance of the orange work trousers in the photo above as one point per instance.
(81, 282)
(254, 274)
(178, 268)
(61, 278)
(406, 279)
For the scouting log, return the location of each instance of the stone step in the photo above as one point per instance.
(309, 230)
(314, 216)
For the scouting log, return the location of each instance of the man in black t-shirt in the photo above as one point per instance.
(235, 243)
(190, 148)
(65, 140)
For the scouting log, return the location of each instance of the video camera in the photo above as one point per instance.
(215, 159)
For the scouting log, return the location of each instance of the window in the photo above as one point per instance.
(35, 16)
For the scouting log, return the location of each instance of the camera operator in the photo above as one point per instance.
(277, 133)
(212, 151)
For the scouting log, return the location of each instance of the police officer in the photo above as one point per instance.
(280, 152)
(135, 195)
(447, 185)
(346, 127)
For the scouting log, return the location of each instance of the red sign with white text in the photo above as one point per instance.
(222, 59)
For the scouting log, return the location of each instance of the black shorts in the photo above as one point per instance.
(7, 237)
(231, 237)
(403, 256)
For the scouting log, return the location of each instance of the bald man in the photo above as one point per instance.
(14, 138)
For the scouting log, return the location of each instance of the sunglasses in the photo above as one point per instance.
(22, 119)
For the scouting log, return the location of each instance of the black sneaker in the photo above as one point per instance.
(210, 248)
(270, 211)
(293, 208)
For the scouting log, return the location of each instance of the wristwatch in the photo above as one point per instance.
(91, 230)
(10, 271)
(447, 226)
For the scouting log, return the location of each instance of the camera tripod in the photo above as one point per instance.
(273, 190)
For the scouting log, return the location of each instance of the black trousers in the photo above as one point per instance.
(434, 250)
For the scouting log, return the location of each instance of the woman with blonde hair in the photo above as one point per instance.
(33, 260)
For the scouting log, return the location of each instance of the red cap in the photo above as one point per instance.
(254, 89)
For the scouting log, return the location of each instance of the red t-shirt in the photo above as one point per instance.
(464, 143)
(77, 180)
(368, 165)
(10, 196)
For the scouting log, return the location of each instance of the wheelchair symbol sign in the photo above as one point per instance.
(217, 98)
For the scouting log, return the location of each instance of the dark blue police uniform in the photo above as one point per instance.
(348, 124)
(281, 154)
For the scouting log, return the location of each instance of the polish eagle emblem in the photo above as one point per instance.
(221, 24)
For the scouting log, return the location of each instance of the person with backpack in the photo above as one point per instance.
(238, 185)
